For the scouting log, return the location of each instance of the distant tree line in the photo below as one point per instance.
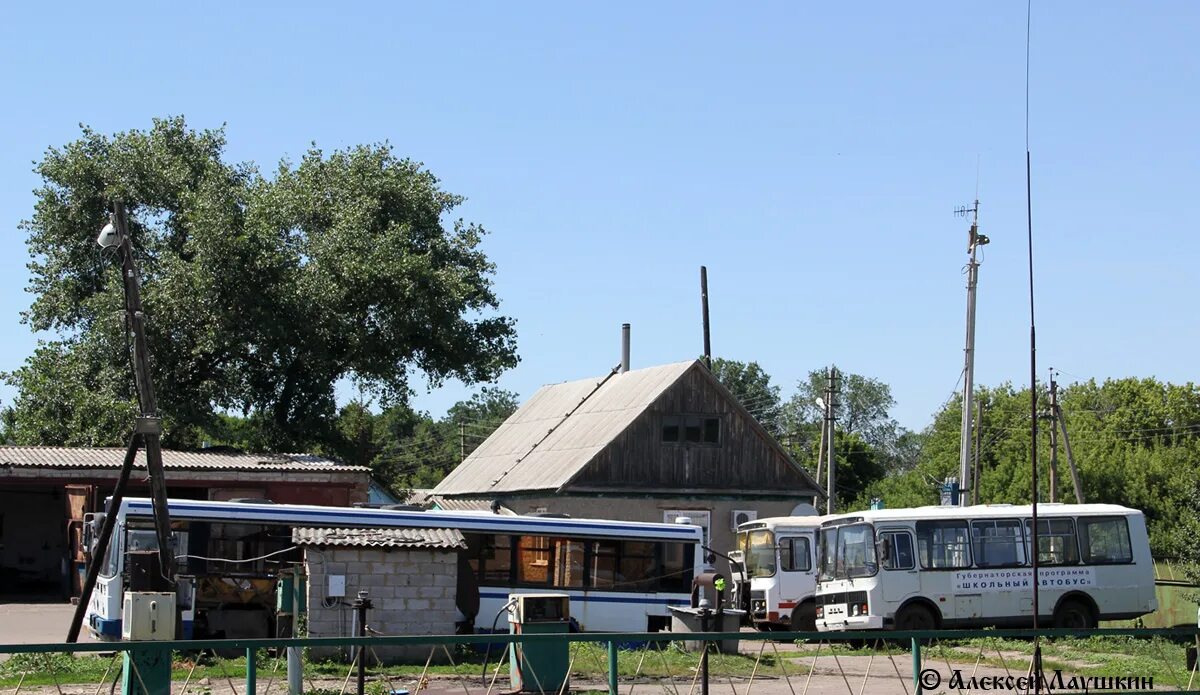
(1136, 443)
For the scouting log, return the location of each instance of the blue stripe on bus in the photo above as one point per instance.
(600, 599)
(459, 522)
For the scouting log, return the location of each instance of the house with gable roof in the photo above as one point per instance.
(651, 444)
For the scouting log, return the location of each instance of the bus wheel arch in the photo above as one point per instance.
(1076, 610)
(920, 611)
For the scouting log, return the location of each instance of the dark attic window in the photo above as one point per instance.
(691, 429)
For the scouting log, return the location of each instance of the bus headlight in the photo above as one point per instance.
(820, 612)
(854, 611)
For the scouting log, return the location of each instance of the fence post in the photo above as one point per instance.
(251, 672)
(612, 668)
(916, 657)
(147, 671)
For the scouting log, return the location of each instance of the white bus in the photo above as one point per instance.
(966, 567)
(621, 575)
(778, 580)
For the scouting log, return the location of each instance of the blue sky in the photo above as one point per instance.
(809, 154)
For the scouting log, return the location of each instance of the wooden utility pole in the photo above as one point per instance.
(149, 424)
(147, 428)
(704, 315)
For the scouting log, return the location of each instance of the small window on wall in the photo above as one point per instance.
(691, 429)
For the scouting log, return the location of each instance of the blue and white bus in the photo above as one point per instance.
(621, 575)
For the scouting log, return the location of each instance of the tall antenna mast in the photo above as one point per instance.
(974, 241)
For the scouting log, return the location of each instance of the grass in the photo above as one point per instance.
(1162, 659)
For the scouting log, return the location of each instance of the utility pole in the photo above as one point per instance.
(831, 485)
(1062, 422)
(704, 315)
(149, 424)
(147, 427)
(975, 240)
(1053, 437)
(978, 450)
(462, 442)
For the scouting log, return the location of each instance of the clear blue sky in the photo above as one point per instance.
(810, 154)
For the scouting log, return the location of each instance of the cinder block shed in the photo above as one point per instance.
(410, 575)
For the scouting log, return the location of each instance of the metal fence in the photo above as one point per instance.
(781, 663)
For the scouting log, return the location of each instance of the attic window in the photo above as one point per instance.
(691, 429)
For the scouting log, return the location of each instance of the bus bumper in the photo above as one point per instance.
(865, 622)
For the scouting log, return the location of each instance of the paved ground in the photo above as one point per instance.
(34, 623)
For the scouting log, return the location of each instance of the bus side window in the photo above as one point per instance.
(944, 544)
(900, 550)
(1056, 541)
(1105, 540)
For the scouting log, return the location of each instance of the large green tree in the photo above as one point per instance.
(262, 291)
(751, 385)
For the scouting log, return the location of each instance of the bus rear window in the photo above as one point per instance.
(1105, 540)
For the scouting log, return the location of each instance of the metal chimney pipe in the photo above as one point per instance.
(624, 348)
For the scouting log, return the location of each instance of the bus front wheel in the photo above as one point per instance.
(915, 617)
(804, 617)
(1074, 614)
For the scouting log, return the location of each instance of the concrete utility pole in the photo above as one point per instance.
(1053, 438)
(831, 485)
(978, 450)
(975, 240)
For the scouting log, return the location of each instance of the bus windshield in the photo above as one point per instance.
(847, 552)
(759, 549)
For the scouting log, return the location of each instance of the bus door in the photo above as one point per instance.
(796, 579)
(901, 576)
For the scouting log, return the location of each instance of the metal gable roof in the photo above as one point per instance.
(558, 431)
(112, 458)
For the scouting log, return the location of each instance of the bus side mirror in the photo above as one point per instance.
(885, 549)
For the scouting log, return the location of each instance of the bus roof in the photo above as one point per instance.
(776, 522)
(360, 517)
(982, 511)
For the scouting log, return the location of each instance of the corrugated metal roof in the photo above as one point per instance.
(112, 457)
(452, 504)
(381, 537)
(558, 431)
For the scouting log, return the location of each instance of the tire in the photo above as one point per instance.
(1074, 614)
(804, 617)
(915, 617)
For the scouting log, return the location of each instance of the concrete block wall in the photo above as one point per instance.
(412, 592)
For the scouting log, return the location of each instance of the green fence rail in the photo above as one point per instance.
(934, 651)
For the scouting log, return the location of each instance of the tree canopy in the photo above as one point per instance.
(751, 385)
(262, 292)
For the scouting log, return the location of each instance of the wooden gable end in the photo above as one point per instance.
(744, 459)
